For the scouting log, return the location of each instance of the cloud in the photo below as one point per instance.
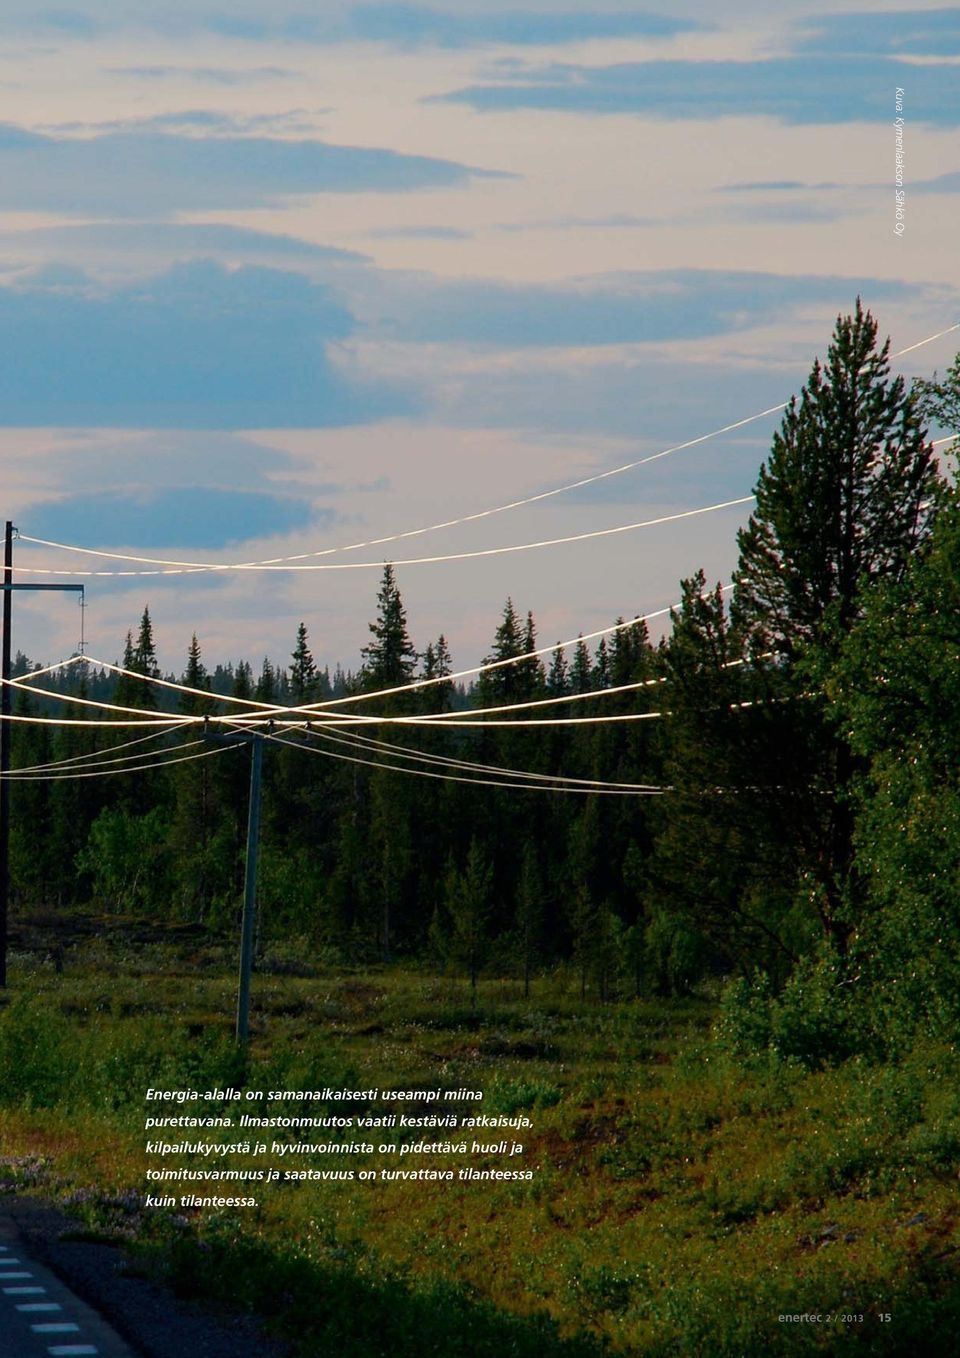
(70, 22)
(611, 221)
(171, 458)
(621, 308)
(941, 183)
(208, 75)
(929, 32)
(775, 186)
(417, 25)
(198, 346)
(185, 516)
(393, 24)
(419, 233)
(788, 211)
(647, 401)
(794, 89)
(145, 173)
(167, 241)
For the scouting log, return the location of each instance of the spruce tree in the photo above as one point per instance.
(468, 901)
(266, 691)
(437, 663)
(845, 499)
(194, 676)
(601, 669)
(303, 670)
(242, 680)
(390, 657)
(529, 915)
(505, 684)
(581, 671)
(558, 679)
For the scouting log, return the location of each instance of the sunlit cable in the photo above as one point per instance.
(486, 668)
(173, 717)
(420, 756)
(420, 560)
(466, 518)
(107, 773)
(96, 756)
(456, 778)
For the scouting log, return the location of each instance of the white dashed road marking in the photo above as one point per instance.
(39, 1316)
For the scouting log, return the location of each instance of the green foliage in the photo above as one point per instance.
(675, 954)
(845, 498)
(303, 668)
(390, 657)
(897, 678)
(812, 1020)
(682, 1202)
(467, 909)
(127, 858)
(809, 824)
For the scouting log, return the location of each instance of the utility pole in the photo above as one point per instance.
(249, 889)
(255, 740)
(5, 733)
(5, 750)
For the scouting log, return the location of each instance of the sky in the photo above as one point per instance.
(274, 282)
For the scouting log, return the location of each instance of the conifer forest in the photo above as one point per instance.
(764, 795)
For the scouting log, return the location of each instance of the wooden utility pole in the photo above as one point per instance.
(5, 725)
(5, 750)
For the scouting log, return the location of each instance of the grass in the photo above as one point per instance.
(680, 1204)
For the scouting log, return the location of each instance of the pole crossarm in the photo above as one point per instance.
(76, 589)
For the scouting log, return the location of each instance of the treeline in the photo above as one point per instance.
(806, 837)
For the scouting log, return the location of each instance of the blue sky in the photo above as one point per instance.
(274, 280)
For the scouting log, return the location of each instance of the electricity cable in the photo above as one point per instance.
(415, 560)
(486, 668)
(455, 778)
(94, 756)
(467, 518)
(417, 756)
(106, 773)
(175, 718)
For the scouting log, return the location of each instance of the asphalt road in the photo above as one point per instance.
(124, 1314)
(40, 1317)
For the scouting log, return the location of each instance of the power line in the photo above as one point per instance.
(91, 723)
(331, 716)
(272, 708)
(402, 752)
(322, 709)
(466, 518)
(419, 560)
(96, 756)
(564, 698)
(107, 773)
(256, 708)
(246, 703)
(50, 669)
(485, 668)
(454, 778)
(173, 717)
